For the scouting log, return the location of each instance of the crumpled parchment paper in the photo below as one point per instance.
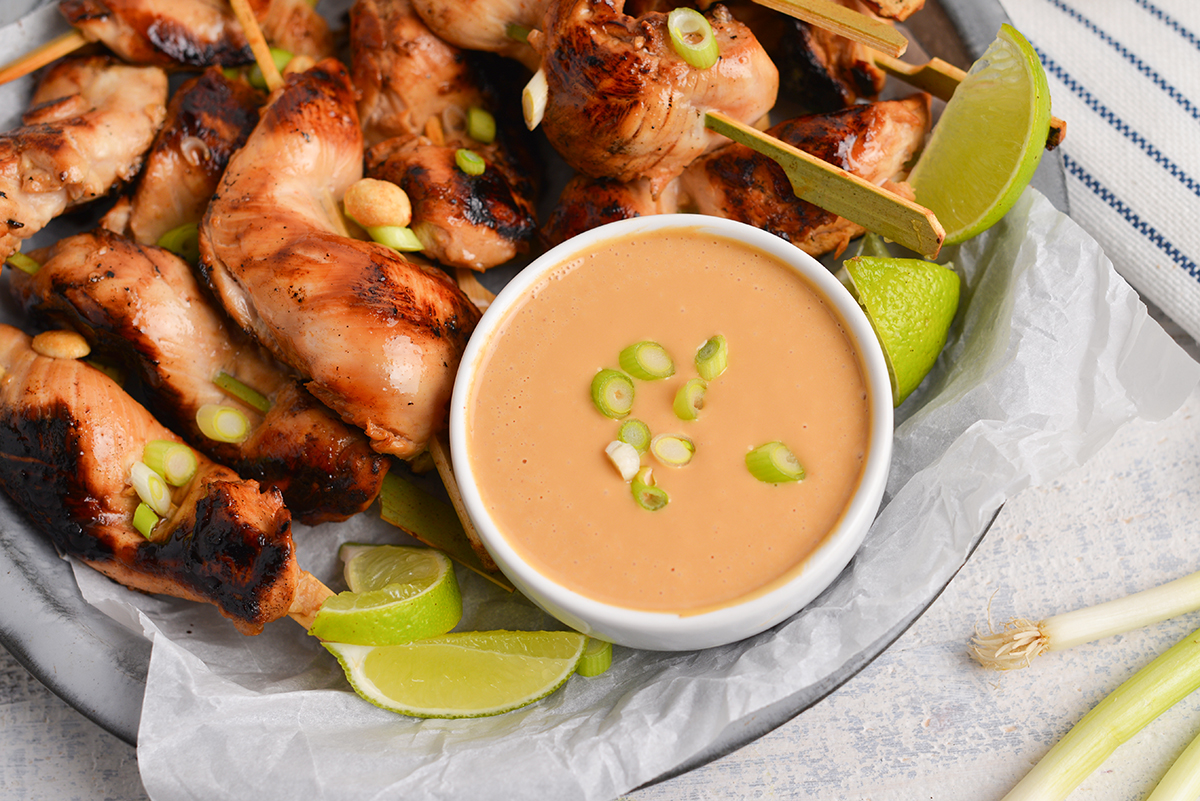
(1051, 352)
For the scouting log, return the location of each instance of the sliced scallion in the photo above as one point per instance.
(712, 358)
(396, 237)
(673, 450)
(534, 97)
(648, 496)
(597, 658)
(636, 433)
(174, 461)
(774, 463)
(183, 241)
(518, 33)
(151, 488)
(469, 161)
(144, 520)
(689, 400)
(624, 457)
(692, 37)
(23, 263)
(612, 392)
(222, 423)
(481, 125)
(281, 59)
(647, 360)
(246, 394)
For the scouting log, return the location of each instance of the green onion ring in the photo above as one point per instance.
(648, 496)
(469, 161)
(689, 400)
(612, 392)
(144, 520)
(636, 433)
(774, 463)
(713, 358)
(692, 37)
(647, 360)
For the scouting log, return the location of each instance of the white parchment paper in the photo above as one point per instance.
(1051, 353)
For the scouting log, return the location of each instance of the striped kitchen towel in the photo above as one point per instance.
(1125, 75)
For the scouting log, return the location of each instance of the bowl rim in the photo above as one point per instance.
(659, 630)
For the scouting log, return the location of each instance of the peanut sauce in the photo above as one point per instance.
(536, 441)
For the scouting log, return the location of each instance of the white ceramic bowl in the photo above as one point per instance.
(658, 630)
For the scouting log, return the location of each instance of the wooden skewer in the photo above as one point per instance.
(52, 50)
(843, 193)
(940, 79)
(310, 594)
(439, 449)
(258, 44)
(843, 21)
(479, 294)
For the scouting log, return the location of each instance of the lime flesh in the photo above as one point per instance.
(990, 138)
(911, 304)
(397, 594)
(464, 674)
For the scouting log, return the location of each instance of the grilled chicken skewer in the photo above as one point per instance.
(89, 126)
(208, 118)
(196, 33)
(69, 437)
(377, 337)
(622, 103)
(142, 305)
(874, 142)
(416, 92)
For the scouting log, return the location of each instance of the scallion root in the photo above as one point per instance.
(1014, 646)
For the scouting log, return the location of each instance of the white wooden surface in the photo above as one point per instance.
(922, 721)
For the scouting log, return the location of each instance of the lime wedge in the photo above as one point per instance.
(464, 674)
(911, 304)
(989, 140)
(397, 594)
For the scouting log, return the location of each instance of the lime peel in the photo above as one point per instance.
(989, 141)
(397, 594)
(464, 674)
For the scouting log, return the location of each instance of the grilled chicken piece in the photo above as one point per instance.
(68, 438)
(894, 9)
(587, 203)
(208, 118)
(474, 221)
(378, 337)
(622, 103)
(142, 305)
(484, 24)
(875, 142)
(91, 123)
(196, 33)
(823, 71)
(405, 75)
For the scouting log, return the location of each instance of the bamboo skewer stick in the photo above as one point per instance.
(258, 44)
(838, 191)
(39, 57)
(835, 17)
(439, 448)
(940, 79)
(479, 294)
(310, 594)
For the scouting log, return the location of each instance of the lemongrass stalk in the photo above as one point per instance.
(1021, 640)
(1181, 782)
(1122, 714)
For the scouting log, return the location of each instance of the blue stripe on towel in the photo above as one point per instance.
(1140, 65)
(1119, 124)
(1137, 223)
(1170, 22)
